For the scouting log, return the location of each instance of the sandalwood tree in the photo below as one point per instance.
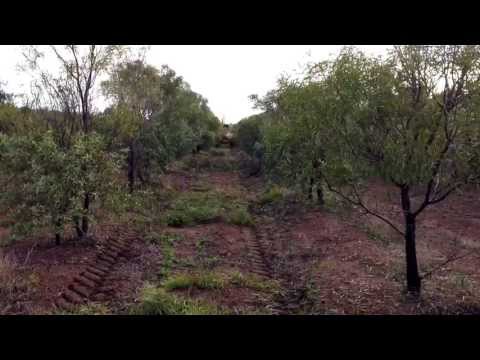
(71, 88)
(162, 117)
(411, 118)
(293, 134)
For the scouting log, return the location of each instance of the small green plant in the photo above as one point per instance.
(166, 241)
(200, 281)
(240, 216)
(156, 301)
(274, 194)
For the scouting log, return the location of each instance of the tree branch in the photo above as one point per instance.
(360, 203)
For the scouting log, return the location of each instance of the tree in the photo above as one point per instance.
(4, 96)
(408, 119)
(136, 91)
(293, 136)
(73, 88)
(44, 185)
(166, 119)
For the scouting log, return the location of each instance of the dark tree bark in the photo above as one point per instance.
(86, 206)
(131, 168)
(78, 229)
(310, 189)
(320, 199)
(413, 278)
(57, 239)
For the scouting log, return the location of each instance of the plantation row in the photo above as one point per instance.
(61, 161)
(411, 118)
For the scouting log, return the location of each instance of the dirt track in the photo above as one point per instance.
(326, 261)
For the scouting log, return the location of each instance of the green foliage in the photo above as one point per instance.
(253, 282)
(248, 133)
(273, 194)
(45, 185)
(204, 280)
(156, 301)
(240, 216)
(202, 207)
(156, 115)
(167, 242)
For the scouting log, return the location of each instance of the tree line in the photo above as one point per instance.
(61, 159)
(410, 118)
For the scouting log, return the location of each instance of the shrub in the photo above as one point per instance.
(47, 184)
(248, 132)
(240, 216)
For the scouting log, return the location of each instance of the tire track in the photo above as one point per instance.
(93, 283)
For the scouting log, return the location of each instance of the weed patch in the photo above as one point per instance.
(274, 194)
(253, 282)
(200, 281)
(203, 207)
(156, 301)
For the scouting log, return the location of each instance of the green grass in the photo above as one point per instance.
(199, 281)
(156, 301)
(253, 282)
(192, 208)
(167, 242)
(240, 216)
(275, 193)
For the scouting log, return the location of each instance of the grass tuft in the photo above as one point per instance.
(156, 301)
(199, 281)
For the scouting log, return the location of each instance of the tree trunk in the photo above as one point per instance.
(77, 228)
(310, 189)
(320, 199)
(58, 237)
(131, 168)
(413, 278)
(86, 206)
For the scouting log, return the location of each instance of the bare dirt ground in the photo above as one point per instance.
(330, 260)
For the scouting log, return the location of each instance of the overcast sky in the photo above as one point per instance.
(224, 74)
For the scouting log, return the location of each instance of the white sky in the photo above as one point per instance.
(224, 74)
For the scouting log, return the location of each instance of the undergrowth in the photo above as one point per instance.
(156, 301)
